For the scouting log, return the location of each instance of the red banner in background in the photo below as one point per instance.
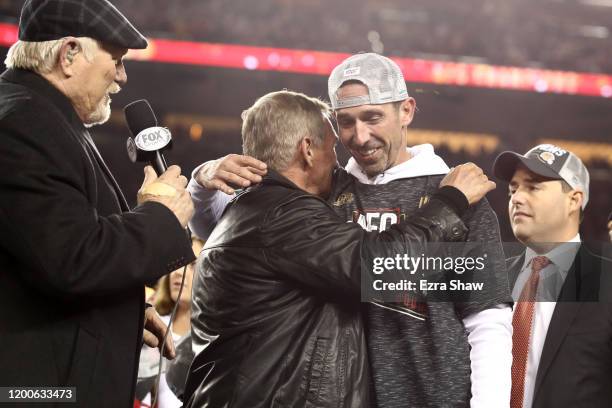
(321, 63)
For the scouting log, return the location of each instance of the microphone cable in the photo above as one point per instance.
(169, 328)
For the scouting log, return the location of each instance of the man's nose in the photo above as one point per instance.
(517, 198)
(362, 133)
(121, 75)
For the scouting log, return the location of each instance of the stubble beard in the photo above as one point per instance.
(103, 111)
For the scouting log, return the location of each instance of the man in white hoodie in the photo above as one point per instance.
(422, 354)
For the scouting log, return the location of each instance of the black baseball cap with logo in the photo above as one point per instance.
(549, 161)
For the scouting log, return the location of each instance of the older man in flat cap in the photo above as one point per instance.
(73, 256)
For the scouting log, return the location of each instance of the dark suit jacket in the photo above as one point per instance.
(575, 367)
(73, 260)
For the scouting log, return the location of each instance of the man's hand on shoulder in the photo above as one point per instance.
(229, 172)
(470, 180)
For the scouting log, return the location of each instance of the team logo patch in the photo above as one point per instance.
(547, 157)
(352, 71)
(153, 138)
(556, 150)
(343, 199)
(423, 200)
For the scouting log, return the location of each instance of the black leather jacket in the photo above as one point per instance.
(276, 316)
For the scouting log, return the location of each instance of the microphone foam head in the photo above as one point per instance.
(139, 116)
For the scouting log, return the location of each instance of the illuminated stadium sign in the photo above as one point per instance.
(322, 63)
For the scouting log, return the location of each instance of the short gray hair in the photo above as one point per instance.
(41, 56)
(274, 126)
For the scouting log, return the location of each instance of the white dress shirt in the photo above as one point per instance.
(549, 288)
(149, 367)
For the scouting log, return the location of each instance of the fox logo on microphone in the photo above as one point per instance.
(153, 138)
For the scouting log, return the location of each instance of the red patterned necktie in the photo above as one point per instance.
(521, 323)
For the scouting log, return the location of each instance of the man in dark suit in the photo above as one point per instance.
(562, 321)
(73, 257)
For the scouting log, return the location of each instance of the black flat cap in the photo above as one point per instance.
(44, 20)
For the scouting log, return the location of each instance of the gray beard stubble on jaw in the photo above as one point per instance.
(100, 115)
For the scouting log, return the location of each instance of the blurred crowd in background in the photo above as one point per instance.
(556, 34)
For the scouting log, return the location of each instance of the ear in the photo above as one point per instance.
(406, 111)
(575, 200)
(69, 51)
(306, 151)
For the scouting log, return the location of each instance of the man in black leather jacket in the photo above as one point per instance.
(275, 317)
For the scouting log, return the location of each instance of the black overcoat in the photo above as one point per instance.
(73, 258)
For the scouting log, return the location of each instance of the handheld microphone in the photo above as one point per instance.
(148, 144)
(150, 140)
